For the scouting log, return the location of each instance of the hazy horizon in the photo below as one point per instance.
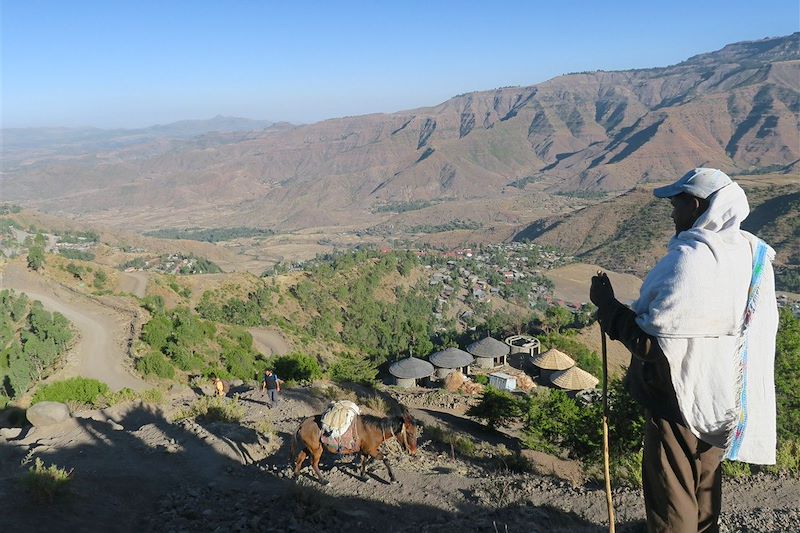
(125, 66)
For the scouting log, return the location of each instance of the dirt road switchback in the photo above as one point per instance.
(100, 352)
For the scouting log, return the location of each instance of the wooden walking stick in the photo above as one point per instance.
(606, 459)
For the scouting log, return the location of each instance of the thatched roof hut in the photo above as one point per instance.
(407, 371)
(411, 367)
(451, 359)
(574, 379)
(553, 359)
(489, 352)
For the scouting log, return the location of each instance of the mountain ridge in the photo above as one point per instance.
(602, 131)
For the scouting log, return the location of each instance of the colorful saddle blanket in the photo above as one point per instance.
(338, 430)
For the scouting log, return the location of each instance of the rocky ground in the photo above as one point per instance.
(134, 470)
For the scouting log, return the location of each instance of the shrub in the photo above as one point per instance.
(154, 396)
(45, 483)
(483, 379)
(735, 469)
(36, 257)
(297, 367)
(787, 458)
(787, 375)
(214, 409)
(153, 303)
(497, 408)
(628, 469)
(74, 390)
(155, 364)
(377, 404)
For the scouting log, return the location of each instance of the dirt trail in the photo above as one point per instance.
(100, 351)
(212, 476)
(270, 341)
(134, 283)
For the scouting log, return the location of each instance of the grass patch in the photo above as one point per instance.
(46, 483)
(456, 443)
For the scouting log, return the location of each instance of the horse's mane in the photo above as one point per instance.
(395, 423)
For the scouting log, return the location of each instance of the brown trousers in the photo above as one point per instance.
(682, 479)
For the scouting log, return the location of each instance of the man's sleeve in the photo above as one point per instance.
(619, 322)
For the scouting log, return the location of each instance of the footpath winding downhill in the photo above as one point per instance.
(100, 351)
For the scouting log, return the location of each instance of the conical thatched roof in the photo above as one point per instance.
(488, 347)
(574, 379)
(411, 368)
(451, 358)
(553, 359)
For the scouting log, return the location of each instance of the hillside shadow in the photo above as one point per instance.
(159, 476)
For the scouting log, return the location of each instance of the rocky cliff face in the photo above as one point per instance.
(735, 108)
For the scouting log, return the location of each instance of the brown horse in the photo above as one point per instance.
(371, 432)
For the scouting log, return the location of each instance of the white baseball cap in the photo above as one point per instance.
(699, 182)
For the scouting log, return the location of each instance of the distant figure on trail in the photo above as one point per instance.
(702, 334)
(272, 384)
(219, 387)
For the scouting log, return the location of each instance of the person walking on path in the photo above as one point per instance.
(702, 336)
(272, 384)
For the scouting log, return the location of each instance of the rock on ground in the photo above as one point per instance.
(47, 413)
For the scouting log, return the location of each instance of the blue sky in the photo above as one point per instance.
(137, 63)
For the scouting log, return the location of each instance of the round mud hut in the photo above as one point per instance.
(489, 352)
(574, 379)
(450, 360)
(551, 361)
(524, 344)
(407, 371)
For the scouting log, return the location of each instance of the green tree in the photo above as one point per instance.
(556, 318)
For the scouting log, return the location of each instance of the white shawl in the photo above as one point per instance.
(694, 302)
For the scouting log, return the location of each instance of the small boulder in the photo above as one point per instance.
(10, 433)
(47, 413)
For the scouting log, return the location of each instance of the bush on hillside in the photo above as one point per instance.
(74, 390)
(155, 364)
(497, 408)
(296, 367)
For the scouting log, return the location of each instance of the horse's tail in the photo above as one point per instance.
(293, 447)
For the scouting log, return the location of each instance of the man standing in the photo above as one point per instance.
(702, 334)
(272, 384)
